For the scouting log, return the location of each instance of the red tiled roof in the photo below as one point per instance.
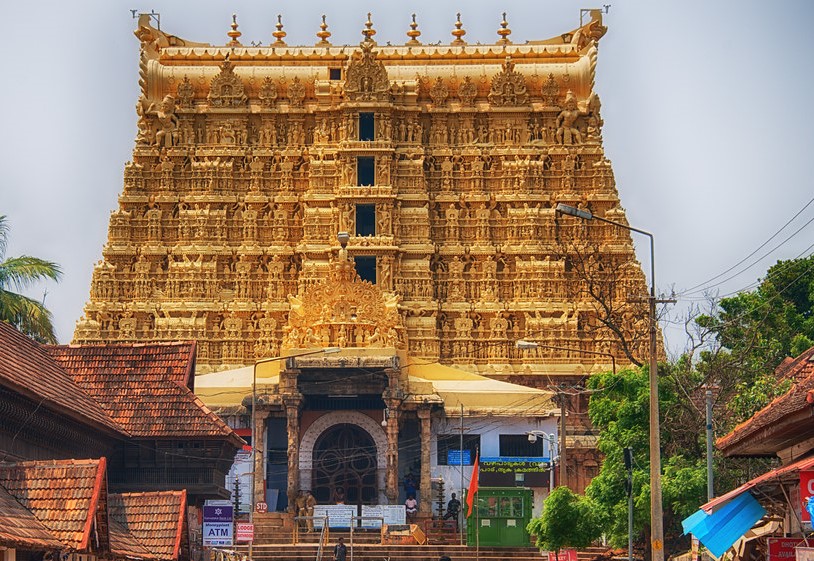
(142, 388)
(27, 369)
(801, 371)
(63, 495)
(19, 528)
(124, 544)
(770, 476)
(155, 521)
(174, 361)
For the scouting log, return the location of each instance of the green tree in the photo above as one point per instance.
(753, 332)
(16, 274)
(567, 521)
(619, 407)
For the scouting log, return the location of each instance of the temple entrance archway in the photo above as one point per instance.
(345, 457)
(312, 439)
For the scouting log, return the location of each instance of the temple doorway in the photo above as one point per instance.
(345, 457)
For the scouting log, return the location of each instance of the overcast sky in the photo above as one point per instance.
(706, 106)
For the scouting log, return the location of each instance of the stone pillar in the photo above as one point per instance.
(425, 488)
(392, 431)
(292, 403)
(292, 411)
(259, 467)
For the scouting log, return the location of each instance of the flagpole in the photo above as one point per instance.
(477, 525)
(471, 501)
(477, 509)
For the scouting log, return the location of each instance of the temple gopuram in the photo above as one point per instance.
(396, 202)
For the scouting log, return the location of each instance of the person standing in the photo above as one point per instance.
(340, 550)
(310, 503)
(453, 508)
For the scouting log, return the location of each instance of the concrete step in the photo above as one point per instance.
(371, 552)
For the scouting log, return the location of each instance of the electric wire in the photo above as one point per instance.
(703, 284)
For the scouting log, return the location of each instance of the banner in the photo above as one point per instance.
(806, 491)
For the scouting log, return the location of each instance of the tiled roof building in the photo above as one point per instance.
(69, 498)
(130, 407)
(155, 522)
(777, 426)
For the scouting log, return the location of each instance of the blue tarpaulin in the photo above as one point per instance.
(722, 528)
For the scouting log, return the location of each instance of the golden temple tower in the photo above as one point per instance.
(443, 163)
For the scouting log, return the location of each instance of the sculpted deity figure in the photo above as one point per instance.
(143, 137)
(167, 133)
(153, 216)
(567, 133)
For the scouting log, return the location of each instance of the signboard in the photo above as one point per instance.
(218, 523)
(261, 507)
(806, 491)
(392, 514)
(244, 532)
(565, 555)
(339, 516)
(804, 554)
(516, 464)
(454, 457)
(782, 549)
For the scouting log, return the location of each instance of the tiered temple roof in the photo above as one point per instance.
(444, 163)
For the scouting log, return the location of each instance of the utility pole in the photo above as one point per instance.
(561, 398)
(629, 488)
(710, 491)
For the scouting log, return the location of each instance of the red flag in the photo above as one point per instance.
(473, 486)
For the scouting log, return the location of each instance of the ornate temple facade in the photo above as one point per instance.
(441, 164)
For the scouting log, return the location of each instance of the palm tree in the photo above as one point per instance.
(18, 273)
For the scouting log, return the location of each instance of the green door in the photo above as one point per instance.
(500, 516)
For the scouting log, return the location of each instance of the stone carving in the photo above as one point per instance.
(341, 308)
(226, 89)
(268, 93)
(467, 92)
(439, 92)
(551, 91)
(366, 78)
(296, 92)
(185, 93)
(595, 122)
(567, 132)
(167, 133)
(508, 87)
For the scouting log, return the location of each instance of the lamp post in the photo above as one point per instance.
(529, 345)
(255, 436)
(552, 451)
(656, 514)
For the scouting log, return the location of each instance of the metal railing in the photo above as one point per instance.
(298, 519)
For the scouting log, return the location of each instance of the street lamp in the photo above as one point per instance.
(530, 345)
(552, 451)
(656, 515)
(255, 436)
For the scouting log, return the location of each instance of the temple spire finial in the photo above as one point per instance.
(458, 32)
(368, 31)
(323, 34)
(234, 34)
(279, 35)
(504, 32)
(414, 33)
